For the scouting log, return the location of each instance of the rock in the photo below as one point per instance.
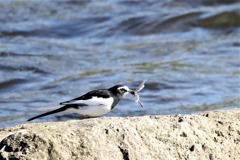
(211, 135)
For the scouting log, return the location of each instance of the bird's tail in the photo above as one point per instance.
(50, 112)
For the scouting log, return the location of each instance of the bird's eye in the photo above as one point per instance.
(123, 90)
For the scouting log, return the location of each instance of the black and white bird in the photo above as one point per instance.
(93, 103)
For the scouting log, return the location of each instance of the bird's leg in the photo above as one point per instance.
(87, 116)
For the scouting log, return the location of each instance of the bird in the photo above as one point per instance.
(93, 103)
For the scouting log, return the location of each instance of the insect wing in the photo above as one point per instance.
(141, 86)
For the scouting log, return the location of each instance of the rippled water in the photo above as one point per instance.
(54, 51)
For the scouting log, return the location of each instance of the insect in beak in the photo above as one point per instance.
(135, 92)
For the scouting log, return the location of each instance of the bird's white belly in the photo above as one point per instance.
(92, 110)
(94, 107)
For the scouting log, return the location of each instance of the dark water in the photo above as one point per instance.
(188, 51)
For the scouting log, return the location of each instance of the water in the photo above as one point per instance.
(55, 51)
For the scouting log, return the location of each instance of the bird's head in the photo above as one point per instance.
(121, 90)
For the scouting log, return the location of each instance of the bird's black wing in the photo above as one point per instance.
(101, 93)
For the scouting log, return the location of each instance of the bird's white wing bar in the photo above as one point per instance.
(94, 101)
(95, 106)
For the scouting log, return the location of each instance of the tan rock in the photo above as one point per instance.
(210, 135)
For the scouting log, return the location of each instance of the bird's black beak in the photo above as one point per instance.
(132, 92)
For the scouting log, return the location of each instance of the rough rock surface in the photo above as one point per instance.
(210, 135)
